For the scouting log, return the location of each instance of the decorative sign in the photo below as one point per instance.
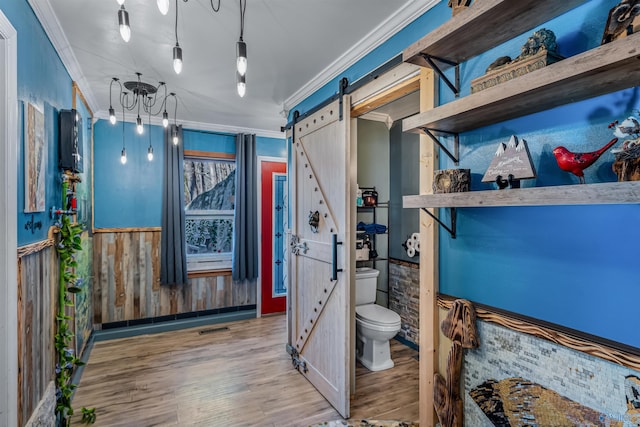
(511, 159)
(35, 159)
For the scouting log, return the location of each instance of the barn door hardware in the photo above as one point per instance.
(334, 257)
(296, 246)
(344, 84)
(452, 229)
(455, 156)
(295, 359)
(454, 86)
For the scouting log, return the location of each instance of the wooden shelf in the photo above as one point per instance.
(485, 24)
(605, 69)
(611, 193)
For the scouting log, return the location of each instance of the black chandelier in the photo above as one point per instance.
(142, 97)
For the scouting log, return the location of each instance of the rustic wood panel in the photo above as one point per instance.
(37, 296)
(237, 374)
(127, 282)
(596, 349)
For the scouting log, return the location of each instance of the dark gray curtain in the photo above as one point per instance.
(173, 252)
(245, 227)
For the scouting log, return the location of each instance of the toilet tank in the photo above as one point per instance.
(366, 285)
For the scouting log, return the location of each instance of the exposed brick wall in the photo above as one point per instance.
(404, 297)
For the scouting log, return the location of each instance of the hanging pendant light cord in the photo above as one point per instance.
(176, 27)
(243, 8)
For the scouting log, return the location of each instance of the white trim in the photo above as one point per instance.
(131, 118)
(261, 159)
(383, 32)
(49, 21)
(8, 223)
(378, 117)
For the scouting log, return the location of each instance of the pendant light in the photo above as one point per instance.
(174, 129)
(139, 126)
(177, 58)
(123, 154)
(241, 46)
(112, 112)
(163, 6)
(150, 149)
(123, 22)
(177, 50)
(120, 2)
(241, 85)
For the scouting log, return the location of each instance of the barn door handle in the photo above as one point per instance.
(334, 257)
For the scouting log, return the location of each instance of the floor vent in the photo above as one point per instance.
(212, 330)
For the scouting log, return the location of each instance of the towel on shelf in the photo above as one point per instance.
(372, 228)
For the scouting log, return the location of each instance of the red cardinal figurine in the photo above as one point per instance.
(576, 163)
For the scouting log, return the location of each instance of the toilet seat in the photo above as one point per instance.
(377, 315)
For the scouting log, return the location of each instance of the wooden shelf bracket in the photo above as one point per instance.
(455, 156)
(454, 86)
(452, 229)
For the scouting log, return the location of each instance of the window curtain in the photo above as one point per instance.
(245, 228)
(173, 256)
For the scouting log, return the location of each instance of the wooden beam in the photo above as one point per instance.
(386, 96)
(127, 230)
(209, 155)
(608, 193)
(429, 318)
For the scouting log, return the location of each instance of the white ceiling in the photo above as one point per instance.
(294, 47)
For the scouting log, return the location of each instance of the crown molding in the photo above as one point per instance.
(49, 21)
(368, 43)
(378, 117)
(157, 121)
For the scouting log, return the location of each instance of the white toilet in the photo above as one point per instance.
(375, 325)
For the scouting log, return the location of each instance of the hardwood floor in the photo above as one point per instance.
(236, 374)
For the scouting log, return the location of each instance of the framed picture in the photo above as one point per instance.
(35, 159)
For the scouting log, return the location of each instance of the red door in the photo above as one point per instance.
(273, 218)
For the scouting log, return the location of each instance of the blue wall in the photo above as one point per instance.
(44, 82)
(130, 195)
(574, 266)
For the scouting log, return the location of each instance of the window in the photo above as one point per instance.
(209, 192)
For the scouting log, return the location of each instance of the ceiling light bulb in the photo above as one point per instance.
(150, 153)
(163, 5)
(177, 58)
(175, 136)
(123, 21)
(120, 2)
(242, 85)
(139, 126)
(241, 62)
(123, 156)
(112, 116)
(165, 119)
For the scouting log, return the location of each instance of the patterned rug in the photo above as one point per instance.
(366, 423)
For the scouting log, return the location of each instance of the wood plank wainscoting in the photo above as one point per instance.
(127, 281)
(37, 296)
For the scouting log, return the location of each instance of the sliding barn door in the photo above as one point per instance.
(321, 319)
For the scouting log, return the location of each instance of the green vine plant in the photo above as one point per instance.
(70, 243)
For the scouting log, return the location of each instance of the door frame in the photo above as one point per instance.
(390, 86)
(8, 222)
(259, 174)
